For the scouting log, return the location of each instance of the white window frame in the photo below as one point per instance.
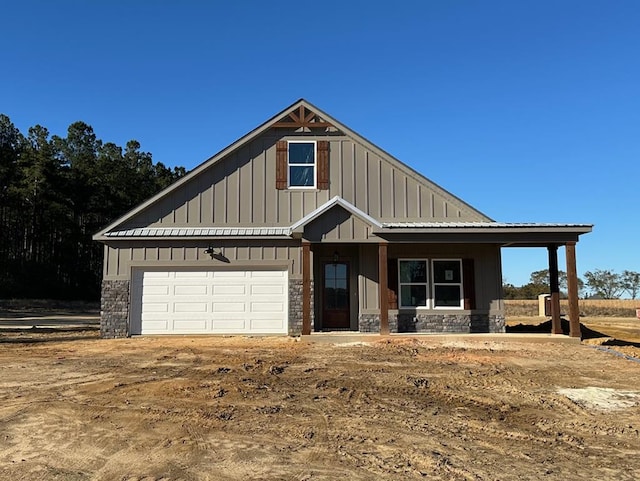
(425, 283)
(430, 284)
(315, 164)
(434, 284)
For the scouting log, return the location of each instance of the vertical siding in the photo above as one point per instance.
(240, 190)
(118, 260)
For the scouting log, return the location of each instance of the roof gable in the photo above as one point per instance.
(299, 226)
(402, 193)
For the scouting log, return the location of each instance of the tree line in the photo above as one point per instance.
(600, 283)
(55, 193)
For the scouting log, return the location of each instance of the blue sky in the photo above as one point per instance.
(529, 111)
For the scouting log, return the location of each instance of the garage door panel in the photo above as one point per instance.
(229, 274)
(269, 289)
(229, 325)
(190, 307)
(190, 290)
(229, 307)
(229, 289)
(258, 274)
(193, 325)
(157, 325)
(155, 307)
(267, 307)
(191, 274)
(201, 302)
(162, 290)
(267, 325)
(156, 274)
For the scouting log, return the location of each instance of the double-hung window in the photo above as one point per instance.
(435, 284)
(413, 282)
(302, 163)
(447, 283)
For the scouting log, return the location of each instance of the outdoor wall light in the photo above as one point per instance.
(217, 254)
(336, 257)
(212, 251)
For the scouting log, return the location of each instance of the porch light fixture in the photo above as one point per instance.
(336, 257)
(212, 251)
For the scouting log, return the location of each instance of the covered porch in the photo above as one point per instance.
(345, 284)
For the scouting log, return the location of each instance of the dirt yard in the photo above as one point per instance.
(74, 407)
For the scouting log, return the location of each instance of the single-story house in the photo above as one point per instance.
(303, 225)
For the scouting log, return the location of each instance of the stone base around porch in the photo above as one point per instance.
(434, 323)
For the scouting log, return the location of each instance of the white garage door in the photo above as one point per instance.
(209, 302)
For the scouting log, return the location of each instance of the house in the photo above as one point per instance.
(303, 225)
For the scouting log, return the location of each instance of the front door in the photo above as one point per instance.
(335, 296)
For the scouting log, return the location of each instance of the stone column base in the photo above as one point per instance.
(114, 309)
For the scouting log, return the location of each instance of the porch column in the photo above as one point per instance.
(383, 289)
(306, 288)
(572, 288)
(554, 287)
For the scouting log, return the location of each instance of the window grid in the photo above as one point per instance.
(413, 284)
(430, 285)
(312, 166)
(453, 282)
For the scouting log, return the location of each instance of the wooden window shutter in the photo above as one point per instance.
(468, 284)
(392, 283)
(281, 164)
(323, 165)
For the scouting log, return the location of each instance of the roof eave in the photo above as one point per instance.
(191, 238)
(578, 229)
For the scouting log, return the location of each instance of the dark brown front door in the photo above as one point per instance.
(335, 296)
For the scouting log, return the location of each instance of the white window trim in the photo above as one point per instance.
(426, 284)
(431, 285)
(460, 284)
(315, 165)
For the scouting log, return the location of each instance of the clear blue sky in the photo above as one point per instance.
(529, 111)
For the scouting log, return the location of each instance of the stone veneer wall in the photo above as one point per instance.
(371, 323)
(295, 307)
(436, 323)
(114, 309)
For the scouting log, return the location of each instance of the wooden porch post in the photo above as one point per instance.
(572, 288)
(383, 289)
(556, 326)
(306, 288)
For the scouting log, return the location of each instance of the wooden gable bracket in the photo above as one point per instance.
(303, 118)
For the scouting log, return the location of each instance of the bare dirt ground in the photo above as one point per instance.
(74, 407)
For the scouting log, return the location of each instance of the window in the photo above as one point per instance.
(442, 291)
(302, 164)
(447, 283)
(413, 283)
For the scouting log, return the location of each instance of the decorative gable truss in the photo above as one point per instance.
(303, 119)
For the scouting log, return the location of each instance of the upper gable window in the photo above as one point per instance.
(302, 163)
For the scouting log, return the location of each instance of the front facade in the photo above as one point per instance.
(302, 225)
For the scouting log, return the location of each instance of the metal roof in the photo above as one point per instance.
(201, 232)
(482, 225)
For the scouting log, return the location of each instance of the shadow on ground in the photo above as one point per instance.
(586, 333)
(38, 335)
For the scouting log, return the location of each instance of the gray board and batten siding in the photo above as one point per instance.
(239, 189)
